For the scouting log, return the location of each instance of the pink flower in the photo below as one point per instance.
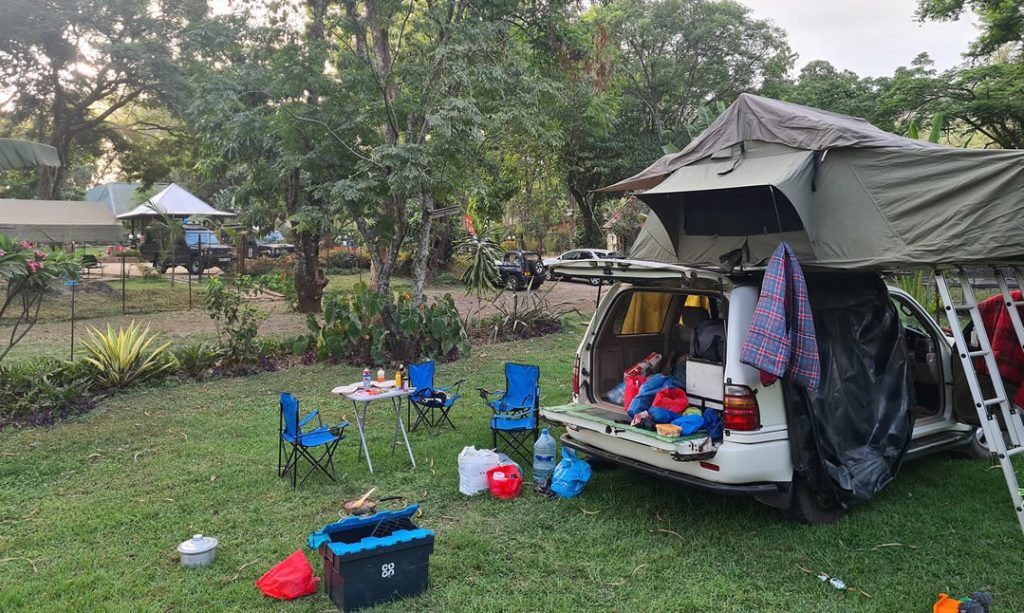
(2, 253)
(24, 245)
(40, 254)
(34, 266)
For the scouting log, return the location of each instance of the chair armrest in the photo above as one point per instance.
(455, 385)
(483, 393)
(305, 420)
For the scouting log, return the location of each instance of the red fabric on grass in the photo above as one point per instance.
(290, 579)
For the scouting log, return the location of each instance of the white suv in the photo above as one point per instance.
(753, 456)
(576, 255)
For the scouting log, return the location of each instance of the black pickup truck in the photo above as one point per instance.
(519, 270)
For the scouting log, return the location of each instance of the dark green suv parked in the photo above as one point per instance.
(197, 249)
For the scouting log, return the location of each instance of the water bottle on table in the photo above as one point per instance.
(543, 457)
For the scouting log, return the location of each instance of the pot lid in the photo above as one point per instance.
(197, 544)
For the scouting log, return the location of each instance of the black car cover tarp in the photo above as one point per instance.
(849, 436)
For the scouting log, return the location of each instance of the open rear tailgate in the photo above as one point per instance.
(633, 271)
(612, 423)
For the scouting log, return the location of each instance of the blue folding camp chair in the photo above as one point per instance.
(293, 443)
(515, 410)
(432, 403)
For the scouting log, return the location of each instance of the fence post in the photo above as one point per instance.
(124, 302)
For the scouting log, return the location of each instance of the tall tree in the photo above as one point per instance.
(72, 64)
(261, 108)
(432, 81)
(1002, 21)
(679, 55)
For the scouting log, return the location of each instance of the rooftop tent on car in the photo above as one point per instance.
(843, 193)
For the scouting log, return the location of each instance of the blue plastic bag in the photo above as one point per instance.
(689, 423)
(571, 475)
(617, 395)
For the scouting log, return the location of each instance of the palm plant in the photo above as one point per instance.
(123, 357)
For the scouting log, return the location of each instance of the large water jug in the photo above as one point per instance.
(543, 457)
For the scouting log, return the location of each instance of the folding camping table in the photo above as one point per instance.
(361, 399)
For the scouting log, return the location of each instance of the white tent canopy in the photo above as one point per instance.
(175, 201)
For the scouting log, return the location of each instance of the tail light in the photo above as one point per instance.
(576, 376)
(741, 410)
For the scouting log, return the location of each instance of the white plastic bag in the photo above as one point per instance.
(473, 466)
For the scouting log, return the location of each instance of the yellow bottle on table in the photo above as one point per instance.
(399, 382)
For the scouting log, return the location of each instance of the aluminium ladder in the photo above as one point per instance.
(1000, 449)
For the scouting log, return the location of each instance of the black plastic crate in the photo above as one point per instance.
(368, 560)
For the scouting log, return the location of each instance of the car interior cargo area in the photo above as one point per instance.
(655, 329)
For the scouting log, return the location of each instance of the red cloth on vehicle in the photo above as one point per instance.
(633, 383)
(672, 399)
(1006, 347)
(290, 579)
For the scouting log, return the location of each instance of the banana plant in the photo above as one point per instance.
(125, 356)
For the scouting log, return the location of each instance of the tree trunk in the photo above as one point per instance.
(309, 278)
(587, 232)
(51, 179)
(419, 278)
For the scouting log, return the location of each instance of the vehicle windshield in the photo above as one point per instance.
(192, 238)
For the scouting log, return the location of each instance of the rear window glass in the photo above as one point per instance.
(614, 255)
(646, 312)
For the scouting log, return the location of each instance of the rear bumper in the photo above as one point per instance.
(747, 489)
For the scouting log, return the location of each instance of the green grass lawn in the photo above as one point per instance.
(100, 502)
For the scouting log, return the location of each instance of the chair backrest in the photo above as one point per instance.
(89, 260)
(289, 415)
(422, 375)
(521, 381)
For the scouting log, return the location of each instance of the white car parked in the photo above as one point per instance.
(753, 457)
(580, 254)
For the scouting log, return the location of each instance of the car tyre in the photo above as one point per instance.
(806, 508)
(195, 267)
(162, 267)
(512, 283)
(549, 275)
(977, 449)
(595, 281)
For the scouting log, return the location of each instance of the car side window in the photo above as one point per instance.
(913, 320)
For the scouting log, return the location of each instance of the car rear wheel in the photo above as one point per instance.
(161, 267)
(512, 283)
(549, 275)
(805, 507)
(595, 281)
(196, 267)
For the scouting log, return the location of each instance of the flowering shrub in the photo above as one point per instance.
(26, 272)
